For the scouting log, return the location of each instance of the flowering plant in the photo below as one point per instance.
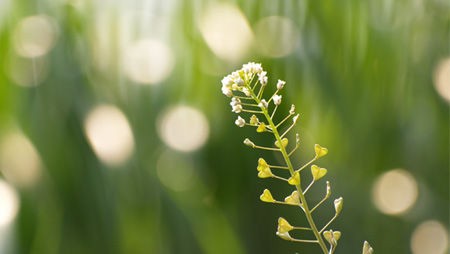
(246, 89)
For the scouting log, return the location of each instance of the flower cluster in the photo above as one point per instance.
(236, 80)
(246, 88)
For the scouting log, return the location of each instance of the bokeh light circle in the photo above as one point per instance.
(9, 204)
(183, 128)
(27, 72)
(148, 61)
(109, 134)
(19, 161)
(430, 237)
(226, 31)
(35, 36)
(442, 79)
(278, 36)
(395, 192)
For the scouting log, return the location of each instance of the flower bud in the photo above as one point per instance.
(254, 120)
(246, 91)
(247, 142)
(262, 78)
(367, 249)
(295, 118)
(239, 82)
(263, 104)
(292, 110)
(240, 121)
(261, 128)
(328, 194)
(280, 84)
(237, 108)
(338, 204)
(284, 236)
(227, 91)
(277, 99)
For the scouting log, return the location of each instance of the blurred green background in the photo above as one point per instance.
(116, 138)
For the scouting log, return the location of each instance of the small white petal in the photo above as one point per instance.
(237, 108)
(246, 91)
(227, 91)
(239, 81)
(263, 104)
(280, 84)
(277, 99)
(292, 110)
(240, 121)
(262, 78)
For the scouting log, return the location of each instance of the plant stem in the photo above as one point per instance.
(291, 170)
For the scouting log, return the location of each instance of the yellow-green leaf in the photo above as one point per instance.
(332, 236)
(261, 128)
(337, 235)
(320, 151)
(328, 235)
(292, 199)
(318, 172)
(266, 196)
(261, 164)
(294, 179)
(265, 172)
(284, 143)
(283, 226)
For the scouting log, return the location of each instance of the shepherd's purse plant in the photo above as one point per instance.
(246, 88)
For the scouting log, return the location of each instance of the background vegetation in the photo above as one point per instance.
(115, 137)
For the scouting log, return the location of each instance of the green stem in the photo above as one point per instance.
(306, 209)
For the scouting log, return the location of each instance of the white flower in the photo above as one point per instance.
(292, 110)
(236, 108)
(295, 118)
(262, 77)
(234, 75)
(235, 101)
(240, 121)
(280, 84)
(239, 81)
(252, 68)
(246, 91)
(277, 99)
(227, 81)
(227, 91)
(263, 104)
(236, 105)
